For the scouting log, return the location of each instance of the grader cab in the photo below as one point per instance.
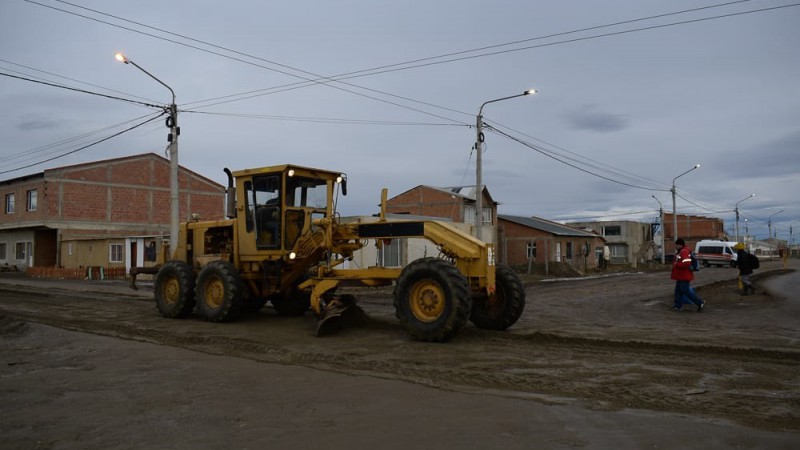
(282, 242)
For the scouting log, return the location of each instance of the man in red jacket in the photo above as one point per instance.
(682, 274)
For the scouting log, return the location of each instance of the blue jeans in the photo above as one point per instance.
(685, 294)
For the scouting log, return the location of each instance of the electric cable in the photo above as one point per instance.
(574, 166)
(84, 147)
(70, 79)
(47, 149)
(82, 91)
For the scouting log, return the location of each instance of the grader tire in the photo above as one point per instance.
(432, 300)
(220, 292)
(503, 309)
(174, 289)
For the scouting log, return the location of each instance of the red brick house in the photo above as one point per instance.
(454, 203)
(111, 213)
(692, 229)
(524, 241)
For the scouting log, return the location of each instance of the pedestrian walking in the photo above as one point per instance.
(683, 276)
(744, 261)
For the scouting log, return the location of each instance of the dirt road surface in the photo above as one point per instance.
(593, 363)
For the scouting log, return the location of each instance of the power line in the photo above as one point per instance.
(61, 86)
(70, 79)
(85, 146)
(579, 159)
(574, 166)
(321, 80)
(31, 154)
(324, 119)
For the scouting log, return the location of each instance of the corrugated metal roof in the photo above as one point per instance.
(548, 226)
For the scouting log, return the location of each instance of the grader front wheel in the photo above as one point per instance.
(174, 289)
(220, 292)
(432, 300)
(503, 308)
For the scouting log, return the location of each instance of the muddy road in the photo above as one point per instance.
(606, 344)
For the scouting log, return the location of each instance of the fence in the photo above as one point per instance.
(85, 273)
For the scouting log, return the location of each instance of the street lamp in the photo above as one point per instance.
(479, 162)
(736, 208)
(674, 214)
(661, 221)
(769, 223)
(172, 138)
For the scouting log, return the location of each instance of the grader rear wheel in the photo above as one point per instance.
(504, 307)
(174, 289)
(432, 300)
(220, 292)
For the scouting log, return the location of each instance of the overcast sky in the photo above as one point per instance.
(621, 109)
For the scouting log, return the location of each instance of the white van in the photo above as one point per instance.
(712, 252)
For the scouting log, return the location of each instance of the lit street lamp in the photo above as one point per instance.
(674, 214)
(736, 208)
(479, 161)
(661, 221)
(172, 138)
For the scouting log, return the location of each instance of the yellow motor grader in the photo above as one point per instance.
(282, 242)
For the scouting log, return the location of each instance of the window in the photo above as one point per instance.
(32, 200)
(619, 251)
(115, 253)
(10, 201)
(531, 250)
(20, 251)
(390, 253)
(569, 250)
(615, 230)
(2, 250)
(469, 215)
(558, 251)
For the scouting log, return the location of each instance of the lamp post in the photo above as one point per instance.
(479, 161)
(736, 208)
(661, 221)
(172, 138)
(769, 223)
(674, 214)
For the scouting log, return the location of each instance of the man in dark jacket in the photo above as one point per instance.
(683, 276)
(745, 269)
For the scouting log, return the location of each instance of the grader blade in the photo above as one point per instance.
(339, 314)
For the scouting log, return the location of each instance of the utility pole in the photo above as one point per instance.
(479, 163)
(663, 229)
(172, 139)
(674, 214)
(736, 208)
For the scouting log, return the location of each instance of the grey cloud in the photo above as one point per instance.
(778, 157)
(590, 118)
(37, 124)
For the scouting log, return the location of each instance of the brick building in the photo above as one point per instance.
(525, 241)
(692, 229)
(112, 213)
(454, 203)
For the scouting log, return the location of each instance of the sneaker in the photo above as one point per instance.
(677, 309)
(701, 306)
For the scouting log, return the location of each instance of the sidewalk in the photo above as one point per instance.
(18, 281)
(782, 286)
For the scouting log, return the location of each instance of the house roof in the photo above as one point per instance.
(127, 158)
(554, 228)
(467, 192)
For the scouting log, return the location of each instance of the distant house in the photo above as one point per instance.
(532, 240)
(692, 229)
(113, 213)
(628, 241)
(457, 204)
